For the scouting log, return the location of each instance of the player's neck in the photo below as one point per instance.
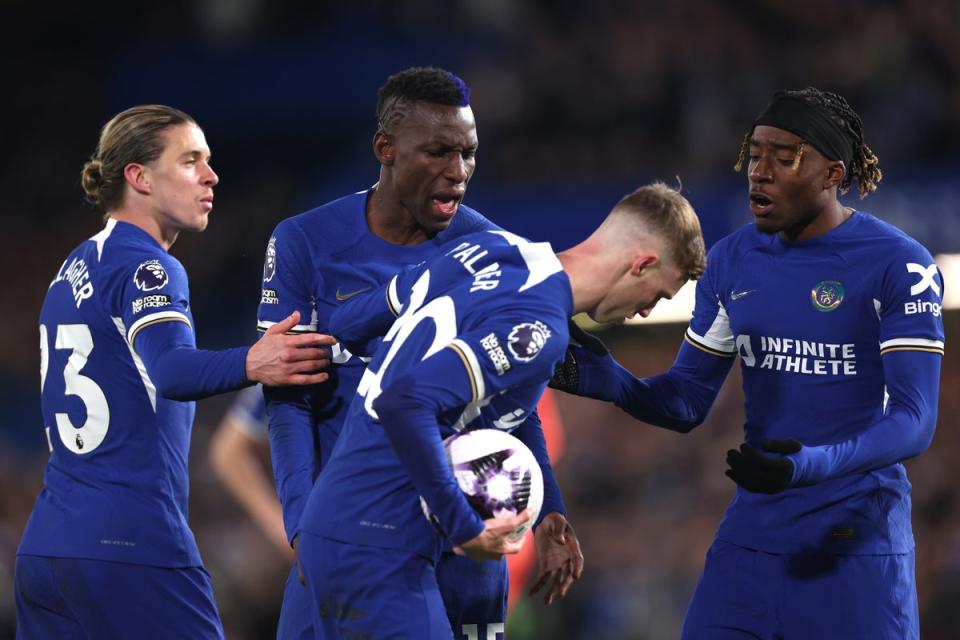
(585, 269)
(399, 232)
(831, 217)
(390, 221)
(165, 236)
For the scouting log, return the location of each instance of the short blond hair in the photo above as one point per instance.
(665, 213)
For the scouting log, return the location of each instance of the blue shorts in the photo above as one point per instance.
(296, 612)
(368, 593)
(67, 598)
(475, 596)
(751, 594)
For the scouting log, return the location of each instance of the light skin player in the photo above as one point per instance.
(174, 193)
(119, 373)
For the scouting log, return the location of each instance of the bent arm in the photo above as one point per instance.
(358, 322)
(679, 399)
(906, 430)
(408, 410)
(182, 372)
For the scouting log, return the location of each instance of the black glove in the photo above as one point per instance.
(588, 341)
(760, 473)
(566, 377)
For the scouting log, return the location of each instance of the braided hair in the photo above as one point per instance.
(865, 165)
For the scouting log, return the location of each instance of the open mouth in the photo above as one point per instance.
(760, 204)
(446, 204)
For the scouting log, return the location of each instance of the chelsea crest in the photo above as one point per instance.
(827, 295)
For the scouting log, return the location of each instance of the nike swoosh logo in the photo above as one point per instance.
(736, 295)
(346, 296)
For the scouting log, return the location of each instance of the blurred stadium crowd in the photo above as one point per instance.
(568, 95)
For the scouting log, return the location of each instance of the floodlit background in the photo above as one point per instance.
(577, 103)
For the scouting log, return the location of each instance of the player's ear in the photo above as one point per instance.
(643, 261)
(835, 173)
(383, 148)
(136, 175)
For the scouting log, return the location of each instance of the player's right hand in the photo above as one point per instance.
(278, 358)
(497, 539)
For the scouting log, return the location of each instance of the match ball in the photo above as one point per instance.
(497, 473)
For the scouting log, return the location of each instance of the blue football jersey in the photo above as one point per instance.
(810, 322)
(116, 484)
(314, 262)
(501, 304)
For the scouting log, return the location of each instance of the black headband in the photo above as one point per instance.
(801, 118)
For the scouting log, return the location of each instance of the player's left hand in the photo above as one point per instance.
(558, 556)
(566, 375)
(497, 538)
(756, 471)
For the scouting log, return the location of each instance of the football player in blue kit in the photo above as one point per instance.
(835, 316)
(478, 332)
(426, 143)
(107, 552)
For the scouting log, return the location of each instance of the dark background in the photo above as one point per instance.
(575, 106)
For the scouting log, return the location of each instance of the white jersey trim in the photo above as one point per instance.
(923, 343)
(102, 236)
(719, 336)
(473, 368)
(263, 325)
(138, 362)
(393, 299)
(539, 256)
(161, 316)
